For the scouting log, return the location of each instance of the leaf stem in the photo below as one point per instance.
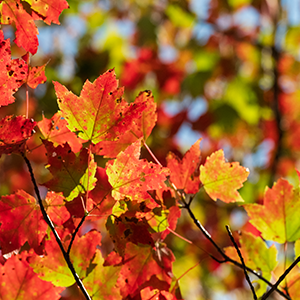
(51, 225)
(152, 154)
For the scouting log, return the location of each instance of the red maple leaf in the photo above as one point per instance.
(56, 208)
(141, 265)
(185, 172)
(141, 128)
(127, 228)
(100, 114)
(53, 267)
(72, 175)
(103, 201)
(56, 131)
(21, 221)
(12, 11)
(18, 281)
(49, 10)
(36, 76)
(132, 177)
(12, 72)
(14, 131)
(26, 34)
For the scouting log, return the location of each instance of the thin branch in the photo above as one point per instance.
(208, 236)
(281, 278)
(74, 233)
(230, 260)
(51, 225)
(242, 261)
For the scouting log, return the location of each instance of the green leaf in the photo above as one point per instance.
(278, 218)
(101, 282)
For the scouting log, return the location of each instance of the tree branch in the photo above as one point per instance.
(227, 258)
(242, 261)
(74, 234)
(51, 225)
(281, 278)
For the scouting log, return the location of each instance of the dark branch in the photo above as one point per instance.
(242, 261)
(50, 224)
(227, 258)
(281, 278)
(74, 233)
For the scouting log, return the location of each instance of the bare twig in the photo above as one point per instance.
(51, 225)
(281, 278)
(74, 233)
(242, 261)
(226, 258)
(186, 204)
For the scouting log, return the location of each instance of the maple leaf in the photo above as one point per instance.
(101, 282)
(56, 208)
(12, 11)
(12, 72)
(21, 221)
(221, 179)
(53, 267)
(56, 131)
(152, 293)
(18, 281)
(72, 175)
(184, 172)
(100, 113)
(36, 76)
(103, 201)
(141, 128)
(146, 265)
(14, 131)
(265, 262)
(131, 177)
(277, 219)
(173, 214)
(127, 228)
(48, 10)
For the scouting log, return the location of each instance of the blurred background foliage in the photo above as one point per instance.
(226, 71)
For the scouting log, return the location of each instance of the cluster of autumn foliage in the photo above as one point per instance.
(97, 202)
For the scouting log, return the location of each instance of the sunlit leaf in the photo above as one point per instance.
(72, 174)
(18, 281)
(12, 72)
(14, 131)
(101, 282)
(184, 172)
(56, 131)
(21, 221)
(221, 179)
(257, 256)
(100, 113)
(53, 267)
(12, 11)
(132, 177)
(277, 219)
